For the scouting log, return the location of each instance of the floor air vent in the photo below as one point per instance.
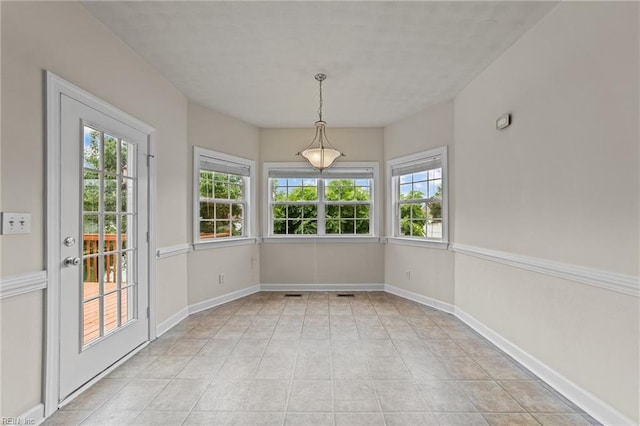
(346, 295)
(293, 295)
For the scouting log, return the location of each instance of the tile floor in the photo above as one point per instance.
(320, 359)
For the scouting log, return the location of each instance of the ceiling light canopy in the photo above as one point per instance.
(320, 153)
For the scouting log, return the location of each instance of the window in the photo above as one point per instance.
(222, 194)
(418, 196)
(303, 202)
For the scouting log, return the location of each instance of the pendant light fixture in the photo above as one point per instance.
(320, 153)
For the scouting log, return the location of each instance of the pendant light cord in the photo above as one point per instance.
(320, 107)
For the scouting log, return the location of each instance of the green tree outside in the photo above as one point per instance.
(341, 218)
(415, 216)
(92, 178)
(220, 218)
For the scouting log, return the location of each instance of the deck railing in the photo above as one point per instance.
(91, 266)
(91, 286)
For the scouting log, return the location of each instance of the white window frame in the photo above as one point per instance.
(374, 214)
(393, 197)
(249, 193)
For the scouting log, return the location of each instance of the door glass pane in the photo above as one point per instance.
(91, 149)
(126, 272)
(91, 191)
(110, 154)
(91, 329)
(109, 188)
(110, 311)
(110, 233)
(126, 158)
(110, 193)
(90, 277)
(126, 195)
(127, 304)
(127, 226)
(110, 271)
(90, 223)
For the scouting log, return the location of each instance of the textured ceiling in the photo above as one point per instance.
(256, 60)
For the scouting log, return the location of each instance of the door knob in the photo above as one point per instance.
(71, 261)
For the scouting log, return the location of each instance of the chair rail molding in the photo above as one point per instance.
(15, 285)
(621, 283)
(163, 252)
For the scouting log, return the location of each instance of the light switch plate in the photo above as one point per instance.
(16, 223)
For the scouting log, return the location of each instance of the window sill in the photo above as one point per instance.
(321, 239)
(206, 245)
(414, 242)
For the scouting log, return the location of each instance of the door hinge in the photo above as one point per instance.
(147, 236)
(147, 312)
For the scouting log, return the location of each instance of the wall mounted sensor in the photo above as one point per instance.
(503, 121)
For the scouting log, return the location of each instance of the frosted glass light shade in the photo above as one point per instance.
(320, 158)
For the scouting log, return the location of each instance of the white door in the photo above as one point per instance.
(104, 247)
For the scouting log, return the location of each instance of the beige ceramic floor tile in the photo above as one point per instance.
(309, 419)
(320, 359)
(460, 419)
(359, 419)
(355, 396)
(444, 396)
(311, 396)
(66, 418)
(510, 419)
(399, 396)
(533, 397)
(165, 418)
(489, 397)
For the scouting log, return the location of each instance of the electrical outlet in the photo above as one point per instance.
(407, 275)
(16, 223)
(220, 278)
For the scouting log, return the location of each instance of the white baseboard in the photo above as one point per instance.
(174, 319)
(34, 414)
(322, 287)
(215, 301)
(594, 406)
(443, 306)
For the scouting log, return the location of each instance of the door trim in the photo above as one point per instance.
(55, 88)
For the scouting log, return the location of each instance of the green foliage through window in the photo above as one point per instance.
(296, 201)
(420, 204)
(106, 163)
(221, 205)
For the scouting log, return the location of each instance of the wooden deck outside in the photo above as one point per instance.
(91, 309)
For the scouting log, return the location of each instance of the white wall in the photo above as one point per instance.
(240, 265)
(431, 270)
(560, 184)
(64, 38)
(307, 263)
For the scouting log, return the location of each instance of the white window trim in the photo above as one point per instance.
(392, 199)
(267, 227)
(250, 201)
